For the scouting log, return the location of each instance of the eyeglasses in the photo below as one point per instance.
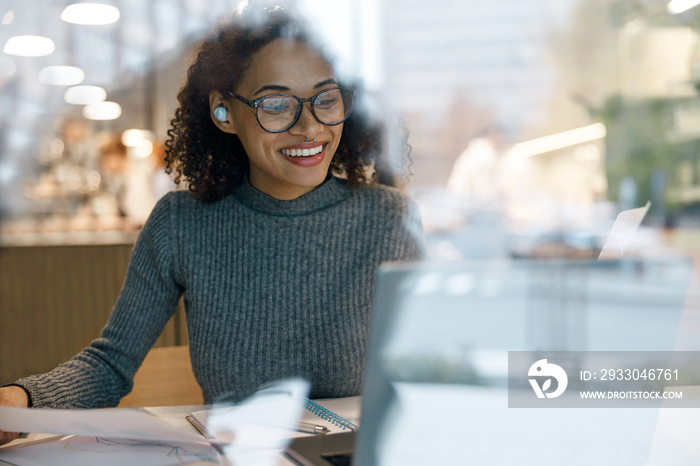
(277, 113)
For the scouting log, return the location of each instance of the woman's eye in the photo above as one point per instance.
(275, 104)
(326, 102)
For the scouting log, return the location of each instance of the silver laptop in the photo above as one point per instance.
(437, 380)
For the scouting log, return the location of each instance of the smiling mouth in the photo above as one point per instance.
(310, 152)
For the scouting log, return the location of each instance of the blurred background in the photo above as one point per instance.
(532, 124)
(539, 118)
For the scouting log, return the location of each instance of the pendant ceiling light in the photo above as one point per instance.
(85, 95)
(102, 111)
(29, 46)
(93, 14)
(61, 75)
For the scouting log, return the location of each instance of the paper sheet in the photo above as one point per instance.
(109, 423)
(72, 450)
(622, 232)
(126, 436)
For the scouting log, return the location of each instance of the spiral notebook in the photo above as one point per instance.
(349, 407)
(334, 414)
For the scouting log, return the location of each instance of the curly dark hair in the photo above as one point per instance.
(213, 162)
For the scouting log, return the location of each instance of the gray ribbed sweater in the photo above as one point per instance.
(272, 289)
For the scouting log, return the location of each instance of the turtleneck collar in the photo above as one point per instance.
(330, 192)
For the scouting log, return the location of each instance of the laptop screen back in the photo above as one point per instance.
(436, 389)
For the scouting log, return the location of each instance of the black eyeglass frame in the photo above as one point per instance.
(256, 103)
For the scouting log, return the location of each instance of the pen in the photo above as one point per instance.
(301, 426)
(312, 428)
(205, 433)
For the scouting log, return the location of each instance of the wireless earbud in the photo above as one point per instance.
(220, 113)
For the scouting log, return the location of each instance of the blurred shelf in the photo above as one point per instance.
(68, 238)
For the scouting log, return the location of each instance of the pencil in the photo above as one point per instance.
(205, 433)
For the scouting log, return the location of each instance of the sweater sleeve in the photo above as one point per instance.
(414, 241)
(404, 240)
(101, 374)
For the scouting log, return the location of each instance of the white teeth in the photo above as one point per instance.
(302, 152)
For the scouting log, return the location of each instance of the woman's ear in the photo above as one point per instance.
(219, 112)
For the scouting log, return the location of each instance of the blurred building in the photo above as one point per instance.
(459, 68)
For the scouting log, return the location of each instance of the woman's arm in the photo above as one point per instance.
(101, 374)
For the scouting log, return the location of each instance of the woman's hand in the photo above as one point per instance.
(16, 397)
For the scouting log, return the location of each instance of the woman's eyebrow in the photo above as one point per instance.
(280, 88)
(325, 83)
(271, 87)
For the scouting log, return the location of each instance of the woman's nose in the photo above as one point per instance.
(307, 125)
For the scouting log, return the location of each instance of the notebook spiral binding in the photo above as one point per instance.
(328, 415)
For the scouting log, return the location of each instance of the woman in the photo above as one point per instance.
(274, 255)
